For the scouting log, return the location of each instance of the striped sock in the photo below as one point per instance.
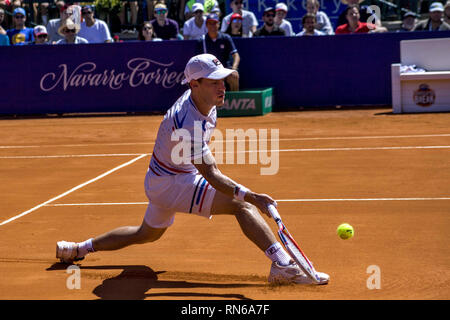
(276, 253)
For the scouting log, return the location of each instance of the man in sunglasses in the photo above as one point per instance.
(249, 21)
(92, 29)
(269, 28)
(164, 28)
(20, 34)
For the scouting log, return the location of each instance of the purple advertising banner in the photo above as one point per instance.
(350, 70)
(92, 78)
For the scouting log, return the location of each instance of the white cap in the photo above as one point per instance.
(205, 66)
(436, 6)
(281, 6)
(197, 6)
(38, 30)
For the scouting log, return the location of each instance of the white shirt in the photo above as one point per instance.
(323, 23)
(97, 33)
(248, 20)
(52, 30)
(191, 31)
(183, 138)
(287, 27)
(316, 33)
(78, 40)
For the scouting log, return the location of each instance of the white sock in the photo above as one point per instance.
(84, 248)
(276, 253)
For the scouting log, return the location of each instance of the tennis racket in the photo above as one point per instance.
(292, 247)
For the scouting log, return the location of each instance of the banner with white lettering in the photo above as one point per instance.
(94, 78)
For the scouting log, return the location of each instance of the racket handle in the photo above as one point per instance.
(274, 212)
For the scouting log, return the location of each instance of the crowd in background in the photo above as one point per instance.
(27, 22)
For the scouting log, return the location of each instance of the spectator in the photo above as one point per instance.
(93, 30)
(2, 18)
(217, 11)
(447, 12)
(269, 28)
(151, 6)
(69, 31)
(365, 13)
(53, 25)
(4, 39)
(409, 22)
(40, 35)
(42, 10)
(249, 21)
(309, 22)
(323, 23)
(134, 8)
(435, 22)
(165, 28)
(353, 24)
(208, 6)
(146, 32)
(235, 27)
(195, 27)
(20, 34)
(281, 11)
(222, 46)
(116, 38)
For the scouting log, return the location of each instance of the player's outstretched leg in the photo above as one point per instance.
(68, 252)
(253, 225)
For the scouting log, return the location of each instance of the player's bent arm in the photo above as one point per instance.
(209, 170)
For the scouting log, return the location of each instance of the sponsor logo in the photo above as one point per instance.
(239, 104)
(424, 96)
(138, 72)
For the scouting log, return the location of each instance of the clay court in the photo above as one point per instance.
(388, 175)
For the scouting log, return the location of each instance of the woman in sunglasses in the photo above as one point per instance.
(69, 31)
(146, 32)
(235, 27)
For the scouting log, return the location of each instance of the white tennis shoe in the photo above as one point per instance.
(293, 274)
(67, 252)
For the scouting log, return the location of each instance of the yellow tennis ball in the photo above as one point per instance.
(345, 231)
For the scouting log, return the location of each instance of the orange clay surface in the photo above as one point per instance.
(387, 175)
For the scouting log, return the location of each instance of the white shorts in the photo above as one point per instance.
(187, 193)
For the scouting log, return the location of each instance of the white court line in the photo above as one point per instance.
(240, 140)
(73, 189)
(74, 156)
(225, 152)
(280, 200)
(364, 199)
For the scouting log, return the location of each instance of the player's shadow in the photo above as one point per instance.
(135, 280)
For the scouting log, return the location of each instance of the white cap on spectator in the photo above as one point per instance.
(281, 6)
(205, 66)
(197, 6)
(436, 6)
(38, 30)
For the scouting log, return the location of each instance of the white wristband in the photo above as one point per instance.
(240, 192)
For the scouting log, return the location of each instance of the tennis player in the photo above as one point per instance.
(183, 177)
